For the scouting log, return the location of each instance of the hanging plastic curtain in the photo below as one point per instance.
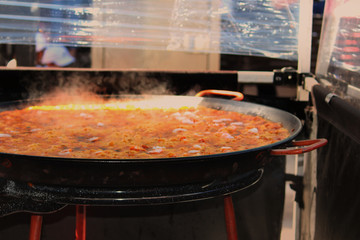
(245, 27)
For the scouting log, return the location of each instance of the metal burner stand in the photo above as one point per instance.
(41, 199)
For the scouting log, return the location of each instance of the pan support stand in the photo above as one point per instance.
(80, 229)
(43, 199)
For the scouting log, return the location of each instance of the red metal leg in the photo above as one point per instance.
(80, 231)
(230, 218)
(35, 227)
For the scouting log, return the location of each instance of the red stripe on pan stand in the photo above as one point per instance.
(80, 231)
(230, 220)
(35, 227)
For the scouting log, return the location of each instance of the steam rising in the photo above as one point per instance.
(83, 87)
(71, 95)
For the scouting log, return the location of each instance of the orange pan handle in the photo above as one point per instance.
(306, 146)
(237, 96)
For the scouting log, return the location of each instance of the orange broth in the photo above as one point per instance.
(132, 133)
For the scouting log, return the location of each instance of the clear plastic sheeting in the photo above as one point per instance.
(340, 42)
(339, 51)
(245, 27)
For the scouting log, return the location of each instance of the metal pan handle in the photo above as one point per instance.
(306, 146)
(237, 95)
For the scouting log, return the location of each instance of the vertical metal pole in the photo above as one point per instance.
(304, 43)
(35, 227)
(230, 220)
(305, 35)
(304, 66)
(80, 231)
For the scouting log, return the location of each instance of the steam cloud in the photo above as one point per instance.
(82, 86)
